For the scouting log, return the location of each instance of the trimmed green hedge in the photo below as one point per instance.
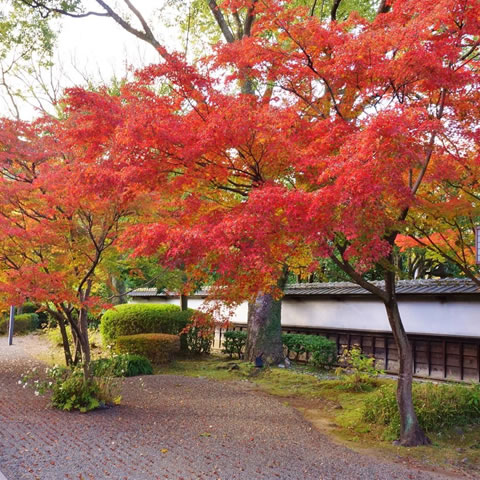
(157, 347)
(24, 322)
(135, 318)
(321, 350)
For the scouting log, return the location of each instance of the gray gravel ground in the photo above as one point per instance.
(169, 427)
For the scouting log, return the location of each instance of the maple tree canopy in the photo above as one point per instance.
(352, 125)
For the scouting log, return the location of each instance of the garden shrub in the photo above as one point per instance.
(234, 342)
(132, 319)
(25, 322)
(199, 333)
(43, 317)
(357, 371)
(70, 391)
(157, 347)
(438, 407)
(321, 351)
(122, 366)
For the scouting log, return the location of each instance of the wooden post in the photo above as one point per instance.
(385, 343)
(461, 361)
(444, 351)
(414, 344)
(429, 358)
(374, 341)
(478, 361)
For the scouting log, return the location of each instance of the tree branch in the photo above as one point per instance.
(218, 15)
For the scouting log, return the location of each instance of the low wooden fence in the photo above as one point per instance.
(440, 357)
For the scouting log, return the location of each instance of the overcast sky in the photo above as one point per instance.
(99, 45)
(97, 48)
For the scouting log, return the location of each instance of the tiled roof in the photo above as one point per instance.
(143, 292)
(404, 287)
(448, 286)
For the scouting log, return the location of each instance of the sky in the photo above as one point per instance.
(98, 49)
(99, 46)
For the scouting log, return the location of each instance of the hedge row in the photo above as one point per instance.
(132, 319)
(157, 347)
(25, 322)
(321, 351)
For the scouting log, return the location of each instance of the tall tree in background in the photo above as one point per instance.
(61, 209)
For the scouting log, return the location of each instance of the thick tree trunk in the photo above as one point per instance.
(183, 302)
(265, 330)
(410, 432)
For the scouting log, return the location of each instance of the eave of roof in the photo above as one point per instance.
(449, 286)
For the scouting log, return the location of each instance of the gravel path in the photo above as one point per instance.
(169, 427)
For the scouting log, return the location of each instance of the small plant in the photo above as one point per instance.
(357, 371)
(234, 342)
(122, 366)
(70, 390)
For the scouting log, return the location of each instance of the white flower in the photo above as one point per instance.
(50, 384)
(19, 382)
(37, 393)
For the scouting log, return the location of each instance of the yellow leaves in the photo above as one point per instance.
(164, 450)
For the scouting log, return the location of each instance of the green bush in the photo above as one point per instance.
(234, 342)
(321, 350)
(357, 371)
(25, 322)
(74, 393)
(43, 317)
(438, 407)
(132, 319)
(157, 347)
(122, 366)
(199, 333)
(70, 390)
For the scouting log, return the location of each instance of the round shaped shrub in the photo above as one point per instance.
(131, 319)
(122, 366)
(157, 347)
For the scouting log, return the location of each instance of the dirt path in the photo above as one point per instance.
(168, 427)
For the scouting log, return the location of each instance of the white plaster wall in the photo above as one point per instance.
(449, 318)
(430, 317)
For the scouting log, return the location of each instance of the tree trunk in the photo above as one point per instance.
(265, 330)
(83, 337)
(66, 345)
(410, 432)
(183, 302)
